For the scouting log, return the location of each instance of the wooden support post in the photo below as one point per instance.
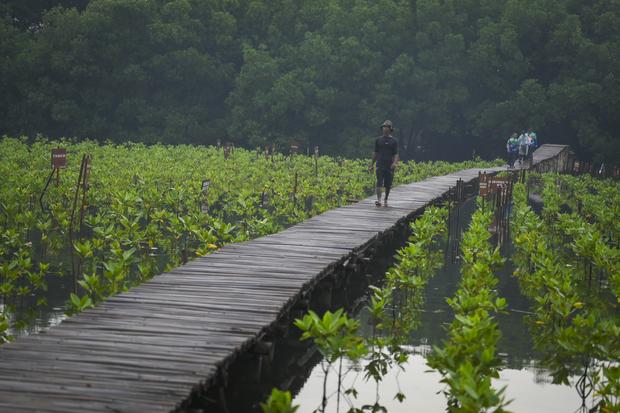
(295, 190)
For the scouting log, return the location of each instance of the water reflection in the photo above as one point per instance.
(35, 318)
(528, 387)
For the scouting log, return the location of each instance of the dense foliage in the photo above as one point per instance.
(568, 263)
(145, 211)
(453, 75)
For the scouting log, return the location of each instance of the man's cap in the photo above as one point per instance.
(387, 123)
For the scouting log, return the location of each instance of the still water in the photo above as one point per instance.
(528, 385)
(38, 318)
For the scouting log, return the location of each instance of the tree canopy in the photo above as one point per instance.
(453, 75)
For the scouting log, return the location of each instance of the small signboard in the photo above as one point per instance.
(59, 158)
(316, 151)
(483, 184)
(496, 183)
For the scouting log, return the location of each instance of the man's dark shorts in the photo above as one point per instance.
(385, 177)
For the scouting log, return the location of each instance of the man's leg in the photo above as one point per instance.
(379, 185)
(388, 177)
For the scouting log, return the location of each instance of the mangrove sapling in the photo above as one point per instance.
(77, 304)
(379, 357)
(467, 360)
(279, 402)
(335, 336)
(394, 309)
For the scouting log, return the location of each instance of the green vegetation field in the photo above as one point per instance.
(143, 211)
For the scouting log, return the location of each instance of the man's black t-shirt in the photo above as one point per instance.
(386, 148)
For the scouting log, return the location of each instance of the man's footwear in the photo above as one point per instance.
(385, 204)
(377, 203)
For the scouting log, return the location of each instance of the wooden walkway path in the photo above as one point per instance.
(557, 158)
(146, 349)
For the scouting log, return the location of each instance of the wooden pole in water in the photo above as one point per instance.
(75, 199)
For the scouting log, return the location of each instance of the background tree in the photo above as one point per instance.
(455, 76)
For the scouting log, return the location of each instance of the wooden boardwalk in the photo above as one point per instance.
(557, 158)
(146, 349)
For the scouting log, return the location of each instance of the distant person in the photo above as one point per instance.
(512, 149)
(533, 138)
(523, 148)
(386, 156)
(532, 143)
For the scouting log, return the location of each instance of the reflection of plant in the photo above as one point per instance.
(467, 361)
(335, 336)
(279, 402)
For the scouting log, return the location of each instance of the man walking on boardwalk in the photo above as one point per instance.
(386, 156)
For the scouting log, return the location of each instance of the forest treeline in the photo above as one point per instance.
(455, 76)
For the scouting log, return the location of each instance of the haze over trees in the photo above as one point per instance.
(453, 75)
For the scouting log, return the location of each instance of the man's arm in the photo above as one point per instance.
(375, 155)
(395, 160)
(372, 161)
